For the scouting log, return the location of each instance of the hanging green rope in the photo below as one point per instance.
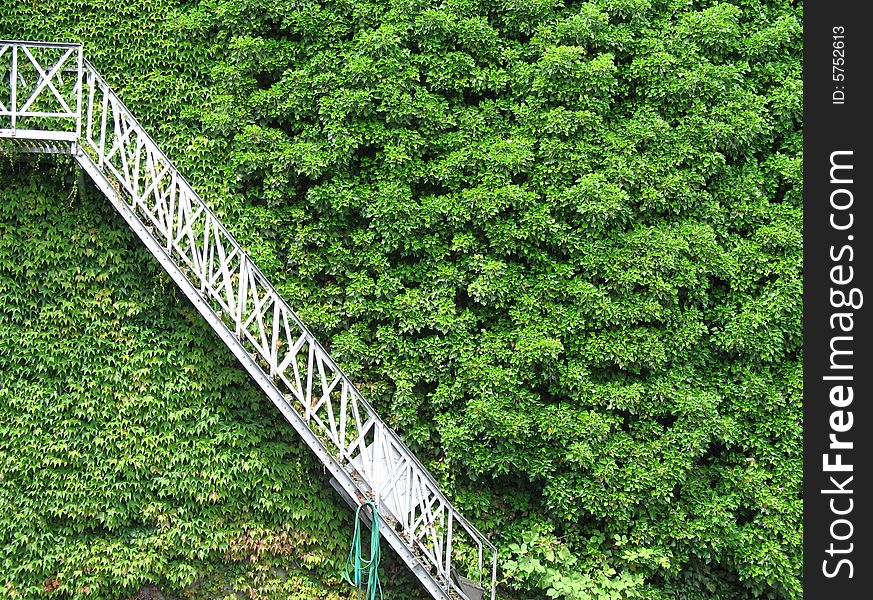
(358, 570)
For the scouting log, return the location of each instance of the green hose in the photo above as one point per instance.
(358, 570)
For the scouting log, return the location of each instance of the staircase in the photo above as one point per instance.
(54, 101)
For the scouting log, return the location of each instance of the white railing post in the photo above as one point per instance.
(13, 83)
(101, 155)
(80, 82)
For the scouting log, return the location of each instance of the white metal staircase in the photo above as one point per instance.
(52, 100)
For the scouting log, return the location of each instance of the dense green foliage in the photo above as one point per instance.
(560, 241)
(133, 449)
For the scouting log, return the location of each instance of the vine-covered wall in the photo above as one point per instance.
(557, 242)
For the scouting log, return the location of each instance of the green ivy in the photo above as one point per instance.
(558, 243)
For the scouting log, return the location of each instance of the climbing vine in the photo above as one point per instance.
(559, 242)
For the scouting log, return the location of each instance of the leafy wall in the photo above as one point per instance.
(558, 241)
